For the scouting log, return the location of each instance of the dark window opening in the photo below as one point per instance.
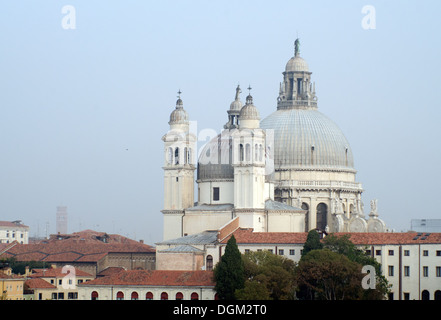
(215, 194)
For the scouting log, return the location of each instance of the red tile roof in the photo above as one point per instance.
(12, 224)
(57, 273)
(109, 271)
(392, 238)
(247, 236)
(156, 278)
(85, 246)
(38, 283)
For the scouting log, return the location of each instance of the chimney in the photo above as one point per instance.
(141, 241)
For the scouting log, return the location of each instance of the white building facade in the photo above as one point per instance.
(14, 231)
(293, 171)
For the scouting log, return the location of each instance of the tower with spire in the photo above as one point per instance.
(179, 167)
(249, 167)
(297, 89)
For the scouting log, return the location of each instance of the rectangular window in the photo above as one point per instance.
(54, 296)
(391, 271)
(406, 271)
(391, 252)
(60, 295)
(215, 194)
(425, 271)
(406, 253)
(426, 253)
(438, 253)
(247, 250)
(281, 252)
(438, 271)
(378, 252)
(292, 252)
(406, 296)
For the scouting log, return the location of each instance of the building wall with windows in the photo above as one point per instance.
(11, 285)
(150, 285)
(65, 281)
(413, 270)
(13, 231)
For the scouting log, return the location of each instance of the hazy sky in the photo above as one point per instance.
(83, 110)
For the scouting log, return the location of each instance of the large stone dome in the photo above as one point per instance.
(306, 138)
(297, 64)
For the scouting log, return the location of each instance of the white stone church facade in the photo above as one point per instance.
(268, 182)
(290, 172)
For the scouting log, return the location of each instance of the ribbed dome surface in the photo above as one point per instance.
(179, 115)
(307, 138)
(215, 160)
(249, 112)
(296, 63)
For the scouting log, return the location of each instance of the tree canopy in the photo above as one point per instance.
(271, 275)
(229, 272)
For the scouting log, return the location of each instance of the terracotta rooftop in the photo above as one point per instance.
(156, 278)
(12, 224)
(247, 236)
(38, 283)
(85, 246)
(393, 238)
(57, 273)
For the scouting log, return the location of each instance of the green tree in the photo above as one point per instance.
(327, 275)
(229, 272)
(253, 290)
(312, 242)
(343, 245)
(268, 276)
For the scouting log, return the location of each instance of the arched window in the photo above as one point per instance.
(170, 156)
(94, 295)
(177, 156)
(248, 152)
(241, 157)
(149, 296)
(322, 216)
(209, 263)
(189, 155)
(134, 295)
(305, 206)
(194, 296)
(179, 296)
(260, 152)
(120, 295)
(256, 152)
(164, 296)
(425, 295)
(437, 295)
(185, 155)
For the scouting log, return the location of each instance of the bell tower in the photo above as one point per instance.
(297, 90)
(179, 167)
(249, 168)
